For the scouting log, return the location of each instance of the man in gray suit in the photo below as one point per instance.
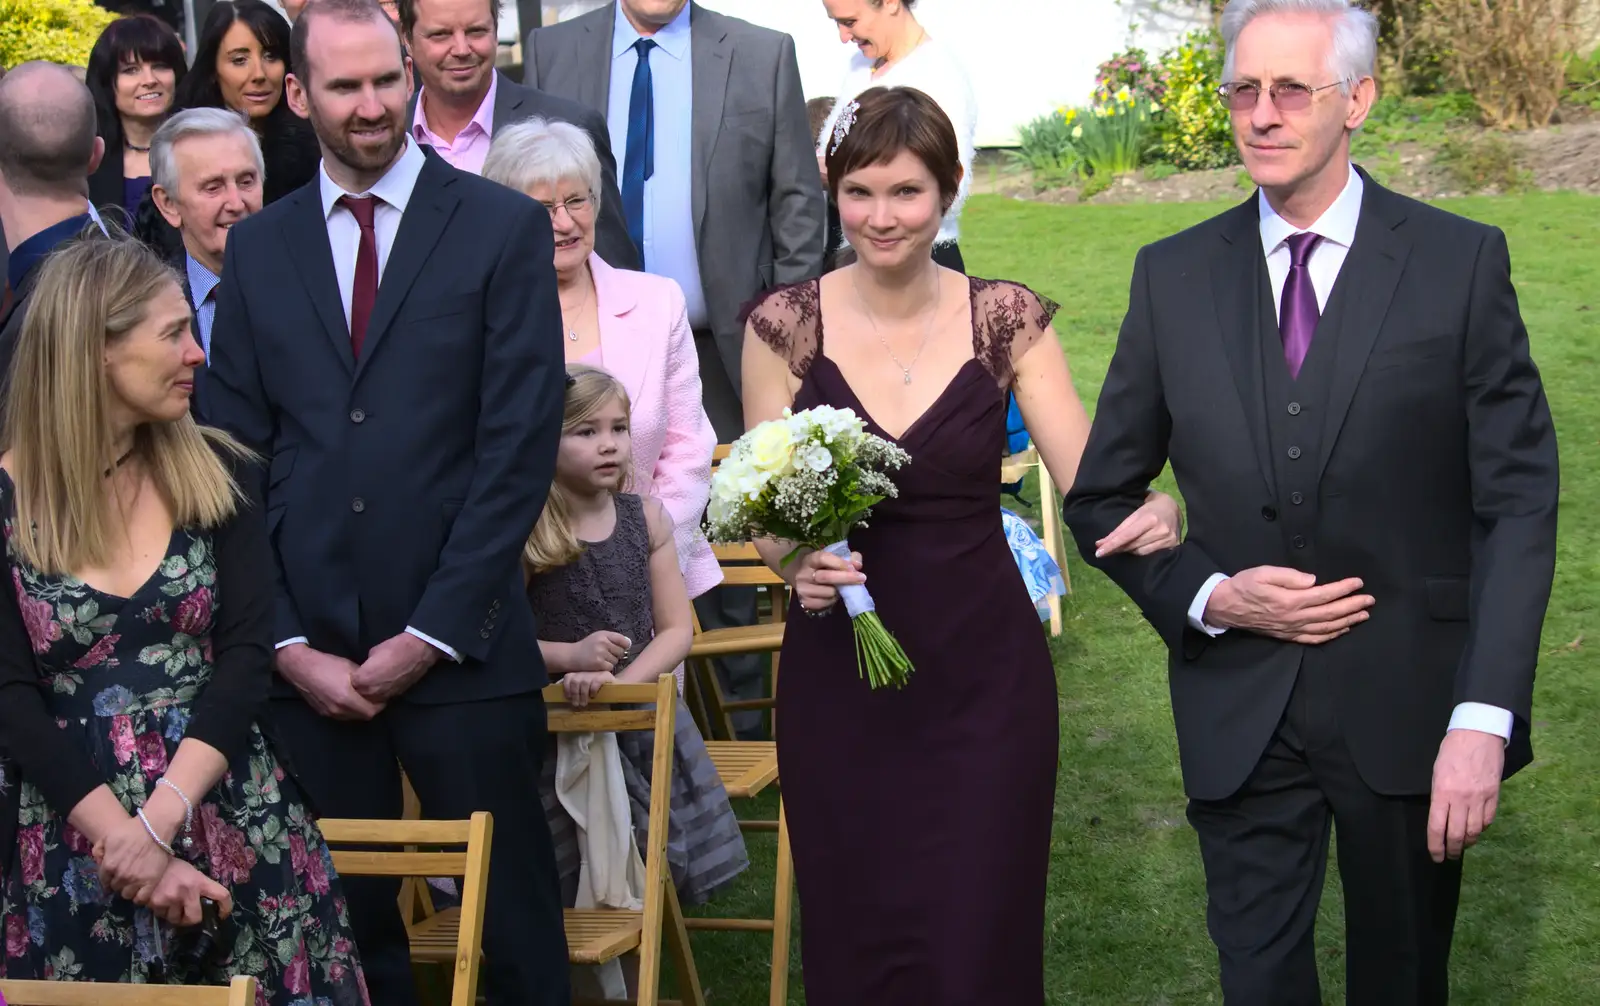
(719, 175)
(464, 101)
(720, 188)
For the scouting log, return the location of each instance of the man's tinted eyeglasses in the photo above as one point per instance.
(1287, 95)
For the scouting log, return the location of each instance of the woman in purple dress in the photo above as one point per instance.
(920, 819)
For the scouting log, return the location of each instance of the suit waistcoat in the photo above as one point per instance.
(1296, 419)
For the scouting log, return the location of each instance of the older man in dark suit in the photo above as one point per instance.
(390, 336)
(1341, 380)
(464, 101)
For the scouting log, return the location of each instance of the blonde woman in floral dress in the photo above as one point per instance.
(135, 654)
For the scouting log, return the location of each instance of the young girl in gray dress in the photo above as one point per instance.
(611, 605)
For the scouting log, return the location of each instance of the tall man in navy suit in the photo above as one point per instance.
(389, 336)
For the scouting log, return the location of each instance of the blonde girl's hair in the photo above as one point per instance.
(553, 543)
(90, 294)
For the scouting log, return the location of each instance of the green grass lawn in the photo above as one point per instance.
(1125, 912)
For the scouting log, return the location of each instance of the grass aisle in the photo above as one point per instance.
(1125, 916)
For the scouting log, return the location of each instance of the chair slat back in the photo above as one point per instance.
(596, 718)
(240, 992)
(471, 864)
(664, 695)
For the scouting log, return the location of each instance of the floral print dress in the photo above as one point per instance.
(121, 676)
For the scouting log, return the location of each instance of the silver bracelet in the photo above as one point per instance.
(188, 811)
(152, 833)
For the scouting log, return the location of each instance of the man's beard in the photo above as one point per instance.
(342, 147)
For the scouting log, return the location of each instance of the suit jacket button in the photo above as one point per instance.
(1299, 541)
(358, 504)
(358, 416)
(1267, 513)
(1296, 499)
(484, 633)
(1294, 408)
(1294, 454)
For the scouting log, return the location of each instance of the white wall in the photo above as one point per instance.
(1026, 57)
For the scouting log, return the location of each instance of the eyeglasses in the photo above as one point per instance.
(1287, 95)
(573, 206)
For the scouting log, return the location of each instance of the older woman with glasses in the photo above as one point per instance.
(632, 324)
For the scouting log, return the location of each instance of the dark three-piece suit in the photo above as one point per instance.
(1414, 450)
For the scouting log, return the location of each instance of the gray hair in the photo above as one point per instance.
(196, 122)
(1354, 53)
(543, 152)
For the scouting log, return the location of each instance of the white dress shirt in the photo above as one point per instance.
(1337, 226)
(344, 237)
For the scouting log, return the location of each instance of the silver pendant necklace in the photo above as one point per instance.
(572, 330)
(905, 368)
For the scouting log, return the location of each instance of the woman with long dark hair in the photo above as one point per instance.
(240, 62)
(134, 71)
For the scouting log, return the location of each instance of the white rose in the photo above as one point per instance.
(772, 447)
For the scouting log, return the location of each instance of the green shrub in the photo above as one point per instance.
(1583, 80)
(62, 31)
(1158, 171)
(1194, 129)
(1482, 161)
(1047, 149)
(1113, 137)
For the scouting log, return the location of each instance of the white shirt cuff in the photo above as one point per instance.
(1197, 609)
(1481, 716)
(291, 642)
(446, 650)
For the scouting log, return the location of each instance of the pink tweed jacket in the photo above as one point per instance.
(646, 342)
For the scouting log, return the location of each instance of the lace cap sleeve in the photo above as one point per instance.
(789, 320)
(1010, 318)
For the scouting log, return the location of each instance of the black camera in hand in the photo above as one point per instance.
(204, 946)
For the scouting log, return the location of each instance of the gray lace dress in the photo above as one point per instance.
(608, 588)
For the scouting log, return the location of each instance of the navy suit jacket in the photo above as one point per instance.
(401, 486)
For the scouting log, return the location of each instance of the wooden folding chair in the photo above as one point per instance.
(1014, 468)
(746, 768)
(599, 935)
(454, 935)
(239, 992)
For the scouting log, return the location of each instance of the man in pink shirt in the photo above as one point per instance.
(464, 100)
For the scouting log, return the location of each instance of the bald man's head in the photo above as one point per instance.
(47, 131)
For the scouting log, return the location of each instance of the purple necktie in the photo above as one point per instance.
(1298, 313)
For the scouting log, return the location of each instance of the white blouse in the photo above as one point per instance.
(933, 69)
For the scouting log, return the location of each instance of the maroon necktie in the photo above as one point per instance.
(1298, 313)
(365, 289)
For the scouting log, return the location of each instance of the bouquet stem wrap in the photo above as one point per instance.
(879, 657)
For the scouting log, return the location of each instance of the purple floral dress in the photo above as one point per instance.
(122, 677)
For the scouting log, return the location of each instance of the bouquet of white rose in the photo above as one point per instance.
(810, 478)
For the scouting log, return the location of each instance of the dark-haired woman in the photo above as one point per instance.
(929, 891)
(133, 73)
(240, 62)
(894, 50)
